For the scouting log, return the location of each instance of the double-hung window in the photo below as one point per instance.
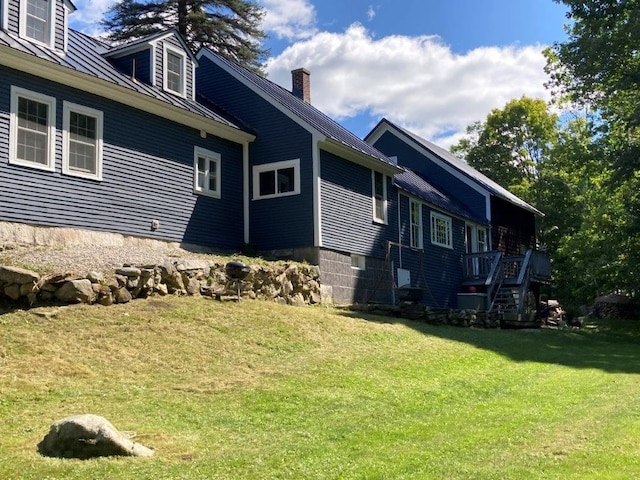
(174, 71)
(379, 196)
(206, 172)
(82, 141)
(277, 179)
(32, 129)
(441, 232)
(36, 20)
(415, 208)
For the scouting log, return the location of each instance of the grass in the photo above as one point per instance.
(261, 391)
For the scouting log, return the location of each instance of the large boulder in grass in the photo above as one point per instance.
(88, 436)
(76, 291)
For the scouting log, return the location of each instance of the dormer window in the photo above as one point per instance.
(174, 71)
(36, 19)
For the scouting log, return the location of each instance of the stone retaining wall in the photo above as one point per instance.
(287, 284)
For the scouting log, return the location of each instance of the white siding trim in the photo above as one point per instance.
(4, 11)
(317, 193)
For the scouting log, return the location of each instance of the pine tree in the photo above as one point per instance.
(229, 27)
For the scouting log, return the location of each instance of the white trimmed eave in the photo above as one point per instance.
(39, 67)
(360, 158)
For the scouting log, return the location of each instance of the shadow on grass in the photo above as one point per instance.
(608, 345)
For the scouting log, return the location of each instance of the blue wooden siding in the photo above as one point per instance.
(410, 157)
(142, 61)
(347, 209)
(441, 275)
(147, 174)
(275, 223)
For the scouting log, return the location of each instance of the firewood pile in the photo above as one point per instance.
(616, 306)
(552, 313)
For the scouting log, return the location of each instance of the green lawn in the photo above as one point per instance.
(257, 390)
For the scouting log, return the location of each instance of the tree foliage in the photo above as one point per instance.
(229, 27)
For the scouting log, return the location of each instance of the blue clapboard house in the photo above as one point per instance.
(147, 139)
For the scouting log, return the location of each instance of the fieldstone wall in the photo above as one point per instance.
(287, 284)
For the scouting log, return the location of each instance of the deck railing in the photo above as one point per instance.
(479, 266)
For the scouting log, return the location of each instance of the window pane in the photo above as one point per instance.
(174, 72)
(267, 183)
(416, 225)
(37, 20)
(286, 180)
(82, 142)
(33, 135)
(213, 181)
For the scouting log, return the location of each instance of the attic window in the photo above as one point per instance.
(36, 19)
(174, 68)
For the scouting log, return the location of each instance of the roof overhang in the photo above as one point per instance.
(360, 158)
(48, 70)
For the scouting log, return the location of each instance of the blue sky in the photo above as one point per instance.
(432, 66)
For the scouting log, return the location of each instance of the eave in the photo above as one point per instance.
(360, 158)
(45, 69)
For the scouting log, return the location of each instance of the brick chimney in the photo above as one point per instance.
(301, 80)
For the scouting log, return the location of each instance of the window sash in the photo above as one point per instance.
(277, 179)
(32, 129)
(416, 224)
(37, 20)
(174, 72)
(379, 191)
(441, 233)
(207, 172)
(82, 141)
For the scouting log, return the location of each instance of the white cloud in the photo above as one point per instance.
(371, 13)
(89, 14)
(292, 19)
(417, 82)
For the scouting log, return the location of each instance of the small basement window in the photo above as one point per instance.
(358, 262)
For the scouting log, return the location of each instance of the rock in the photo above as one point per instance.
(193, 287)
(194, 264)
(27, 288)
(88, 436)
(76, 291)
(95, 277)
(128, 271)
(315, 297)
(123, 295)
(297, 300)
(12, 291)
(20, 276)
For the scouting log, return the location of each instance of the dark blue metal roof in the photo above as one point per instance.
(307, 112)
(417, 185)
(464, 168)
(85, 55)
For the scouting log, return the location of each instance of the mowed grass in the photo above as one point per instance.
(261, 391)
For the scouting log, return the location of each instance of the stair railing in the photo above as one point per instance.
(494, 279)
(524, 279)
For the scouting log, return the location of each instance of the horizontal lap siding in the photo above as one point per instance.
(142, 63)
(147, 174)
(275, 223)
(13, 16)
(347, 209)
(441, 275)
(61, 11)
(411, 158)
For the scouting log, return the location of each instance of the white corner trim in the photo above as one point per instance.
(317, 192)
(246, 193)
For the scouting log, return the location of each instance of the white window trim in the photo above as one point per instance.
(67, 108)
(267, 167)
(358, 262)
(51, 22)
(51, 128)
(419, 224)
(209, 155)
(165, 70)
(449, 220)
(385, 199)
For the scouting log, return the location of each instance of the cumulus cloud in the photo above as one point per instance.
(417, 82)
(89, 14)
(291, 19)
